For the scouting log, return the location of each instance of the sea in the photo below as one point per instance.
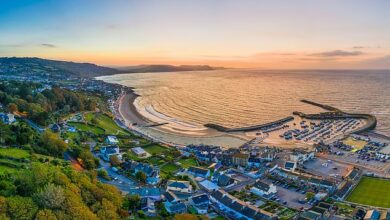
(243, 97)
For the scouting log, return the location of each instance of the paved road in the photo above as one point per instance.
(121, 182)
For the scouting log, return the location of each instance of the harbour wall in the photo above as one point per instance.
(250, 128)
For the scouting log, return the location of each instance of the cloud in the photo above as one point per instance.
(382, 62)
(48, 45)
(337, 53)
(358, 47)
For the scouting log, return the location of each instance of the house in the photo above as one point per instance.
(179, 186)
(109, 151)
(300, 156)
(268, 156)
(263, 189)
(372, 215)
(208, 185)
(385, 215)
(238, 209)
(148, 206)
(200, 203)
(7, 118)
(291, 166)
(254, 162)
(147, 192)
(111, 140)
(55, 128)
(198, 172)
(225, 180)
(140, 152)
(176, 208)
(170, 197)
(240, 159)
(71, 129)
(152, 173)
(310, 215)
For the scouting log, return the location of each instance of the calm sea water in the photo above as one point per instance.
(237, 98)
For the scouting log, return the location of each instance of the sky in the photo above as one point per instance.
(323, 34)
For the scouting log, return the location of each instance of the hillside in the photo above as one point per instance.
(35, 67)
(165, 68)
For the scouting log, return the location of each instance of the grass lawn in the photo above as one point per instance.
(169, 168)
(371, 191)
(106, 123)
(356, 144)
(188, 162)
(4, 169)
(87, 128)
(155, 149)
(14, 153)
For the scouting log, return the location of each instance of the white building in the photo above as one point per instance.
(179, 186)
(112, 140)
(263, 189)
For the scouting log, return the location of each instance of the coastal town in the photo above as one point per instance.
(327, 172)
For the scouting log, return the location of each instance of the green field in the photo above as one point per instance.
(188, 162)
(168, 168)
(155, 149)
(371, 191)
(105, 122)
(4, 169)
(14, 153)
(87, 128)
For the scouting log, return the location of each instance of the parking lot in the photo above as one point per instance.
(289, 197)
(327, 168)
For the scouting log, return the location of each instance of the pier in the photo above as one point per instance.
(250, 128)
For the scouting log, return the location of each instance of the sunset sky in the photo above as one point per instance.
(241, 33)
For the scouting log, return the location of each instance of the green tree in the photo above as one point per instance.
(114, 161)
(21, 207)
(52, 143)
(51, 197)
(45, 214)
(141, 176)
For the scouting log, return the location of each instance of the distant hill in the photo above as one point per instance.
(46, 69)
(165, 68)
(53, 68)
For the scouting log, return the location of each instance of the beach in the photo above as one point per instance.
(172, 136)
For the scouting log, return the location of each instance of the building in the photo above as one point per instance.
(200, 203)
(140, 152)
(224, 180)
(300, 156)
(109, 151)
(198, 172)
(254, 162)
(263, 189)
(372, 215)
(240, 159)
(290, 166)
(7, 118)
(111, 140)
(179, 186)
(238, 209)
(56, 128)
(147, 192)
(148, 206)
(176, 208)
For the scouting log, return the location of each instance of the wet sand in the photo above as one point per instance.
(128, 112)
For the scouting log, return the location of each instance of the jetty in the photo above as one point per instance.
(250, 128)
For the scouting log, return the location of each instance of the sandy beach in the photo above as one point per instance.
(134, 120)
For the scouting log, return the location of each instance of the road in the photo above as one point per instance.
(121, 182)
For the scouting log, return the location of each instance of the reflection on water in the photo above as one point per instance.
(235, 98)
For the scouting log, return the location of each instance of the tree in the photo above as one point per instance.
(21, 207)
(141, 176)
(12, 107)
(187, 216)
(132, 202)
(51, 197)
(107, 211)
(103, 174)
(309, 196)
(114, 161)
(52, 143)
(45, 214)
